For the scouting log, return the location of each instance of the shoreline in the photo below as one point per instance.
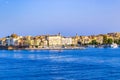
(47, 48)
(80, 48)
(52, 48)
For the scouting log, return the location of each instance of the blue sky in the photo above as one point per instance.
(35, 17)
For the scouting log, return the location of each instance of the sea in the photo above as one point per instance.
(87, 64)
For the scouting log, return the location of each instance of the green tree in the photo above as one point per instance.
(94, 42)
(105, 39)
(109, 41)
(117, 41)
(72, 45)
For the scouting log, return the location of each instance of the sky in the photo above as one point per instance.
(38, 17)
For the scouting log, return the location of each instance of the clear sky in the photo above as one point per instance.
(35, 17)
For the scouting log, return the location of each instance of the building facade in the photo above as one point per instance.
(66, 41)
(54, 40)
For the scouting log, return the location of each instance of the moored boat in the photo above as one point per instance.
(114, 45)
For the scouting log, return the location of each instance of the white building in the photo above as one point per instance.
(54, 40)
(66, 40)
(11, 41)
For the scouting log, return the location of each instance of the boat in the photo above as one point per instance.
(114, 45)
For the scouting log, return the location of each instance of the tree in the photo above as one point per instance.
(109, 41)
(117, 41)
(72, 45)
(94, 42)
(105, 39)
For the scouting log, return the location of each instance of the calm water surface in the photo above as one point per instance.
(88, 64)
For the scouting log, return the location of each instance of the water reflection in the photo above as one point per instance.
(17, 55)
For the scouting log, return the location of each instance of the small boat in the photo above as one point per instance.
(114, 45)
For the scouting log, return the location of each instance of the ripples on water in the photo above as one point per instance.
(88, 64)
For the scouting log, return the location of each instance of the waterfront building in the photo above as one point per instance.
(43, 41)
(29, 37)
(12, 40)
(99, 39)
(86, 40)
(54, 40)
(66, 41)
(31, 42)
(37, 42)
(20, 42)
(75, 40)
(3, 42)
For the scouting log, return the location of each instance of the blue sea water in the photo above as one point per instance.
(88, 64)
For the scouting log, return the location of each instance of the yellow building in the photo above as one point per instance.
(99, 39)
(85, 40)
(75, 40)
